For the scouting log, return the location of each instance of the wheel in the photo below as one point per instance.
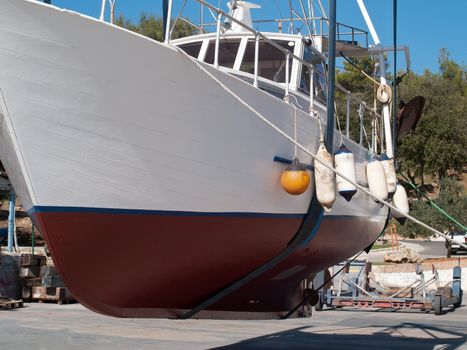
(449, 252)
(460, 300)
(437, 307)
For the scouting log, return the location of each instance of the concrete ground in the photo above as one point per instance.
(69, 327)
(426, 249)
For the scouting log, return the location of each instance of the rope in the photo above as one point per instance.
(307, 151)
(433, 204)
(295, 130)
(360, 115)
(359, 69)
(341, 142)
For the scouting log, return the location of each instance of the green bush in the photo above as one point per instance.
(451, 199)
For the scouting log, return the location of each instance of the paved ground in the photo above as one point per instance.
(70, 327)
(426, 249)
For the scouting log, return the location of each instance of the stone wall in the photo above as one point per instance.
(402, 275)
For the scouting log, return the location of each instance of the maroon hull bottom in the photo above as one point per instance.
(155, 265)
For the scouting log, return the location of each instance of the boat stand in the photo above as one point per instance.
(353, 290)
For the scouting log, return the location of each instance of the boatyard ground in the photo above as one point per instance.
(69, 327)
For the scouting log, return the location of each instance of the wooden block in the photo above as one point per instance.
(48, 270)
(26, 293)
(31, 271)
(52, 281)
(51, 294)
(31, 282)
(32, 260)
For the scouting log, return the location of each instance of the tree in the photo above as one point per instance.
(439, 144)
(451, 199)
(150, 26)
(352, 79)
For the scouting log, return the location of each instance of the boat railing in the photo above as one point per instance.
(259, 36)
(320, 27)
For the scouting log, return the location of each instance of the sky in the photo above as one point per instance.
(425, 26)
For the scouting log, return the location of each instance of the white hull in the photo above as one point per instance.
(105, 118)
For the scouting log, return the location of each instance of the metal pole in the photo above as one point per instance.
(218, 37)
(287, 75)
(360, 113)
(312, 91)
(101, 17)
(382, 68)
(167, 14)
(201, 18)
(255, 81)
(291, 18)
(394, 94)
(112, 11)
(11, 220)
(347, 115)
(331, 76)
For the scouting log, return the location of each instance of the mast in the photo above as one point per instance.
(331, 76)
(382, 69)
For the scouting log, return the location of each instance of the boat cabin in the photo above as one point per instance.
(237, 57)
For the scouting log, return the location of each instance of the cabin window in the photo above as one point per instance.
(318, 77)
(271, 60)
(227, 52)
(192, 48)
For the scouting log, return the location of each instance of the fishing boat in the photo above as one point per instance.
(153, 169)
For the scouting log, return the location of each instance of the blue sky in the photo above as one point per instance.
(425, 26)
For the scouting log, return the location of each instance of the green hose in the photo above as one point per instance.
(433, 204)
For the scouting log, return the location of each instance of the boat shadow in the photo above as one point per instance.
(405, 335)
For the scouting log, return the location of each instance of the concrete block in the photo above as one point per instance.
(9, 282)
(48, 270)
(33, 260)
(26, 293)
(52, 281)
(31, 271)
(31, 282)
(51, 294)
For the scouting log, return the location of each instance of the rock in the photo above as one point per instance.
(405, 255)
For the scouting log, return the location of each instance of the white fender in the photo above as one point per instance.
(345, 164)
(390, 171)
(324, 179)
(401, 202)
(377, 179)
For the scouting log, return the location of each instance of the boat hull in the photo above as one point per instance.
(153, 187)
(124, 263)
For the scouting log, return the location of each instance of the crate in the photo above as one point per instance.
(59, 295)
